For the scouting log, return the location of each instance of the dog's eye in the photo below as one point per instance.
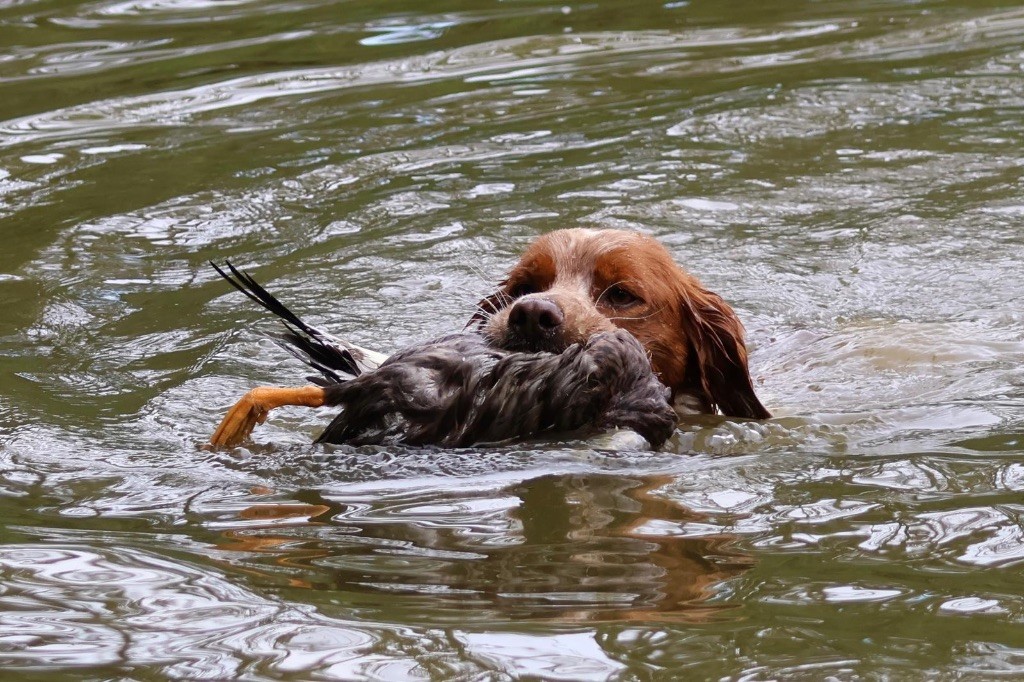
(620, 297)
(522, 289)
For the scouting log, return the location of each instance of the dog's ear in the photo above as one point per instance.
(718, 354)
(488, 306)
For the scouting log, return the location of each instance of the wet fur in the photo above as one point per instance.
(693, 337)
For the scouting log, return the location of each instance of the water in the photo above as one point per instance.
(848, 175)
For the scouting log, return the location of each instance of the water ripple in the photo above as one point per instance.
(846, 175)
(90, 609)
(180, 107)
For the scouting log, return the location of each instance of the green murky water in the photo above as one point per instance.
(849, 175)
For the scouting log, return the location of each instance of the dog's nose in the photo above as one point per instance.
(535, 317)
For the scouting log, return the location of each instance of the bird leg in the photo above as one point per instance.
(253, 408)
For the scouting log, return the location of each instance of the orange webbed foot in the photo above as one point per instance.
(254, 407)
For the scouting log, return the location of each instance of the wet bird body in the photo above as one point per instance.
(458, 390)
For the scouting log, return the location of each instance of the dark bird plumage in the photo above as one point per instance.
(458, 391)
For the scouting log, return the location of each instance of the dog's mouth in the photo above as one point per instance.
(519, 343)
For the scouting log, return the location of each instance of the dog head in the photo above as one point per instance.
(571, 284)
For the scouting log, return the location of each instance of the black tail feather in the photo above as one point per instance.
(309, 344)
(321, 356)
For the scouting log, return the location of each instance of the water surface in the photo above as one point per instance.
(848, 175)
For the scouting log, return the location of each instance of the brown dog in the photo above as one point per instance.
(571, 284)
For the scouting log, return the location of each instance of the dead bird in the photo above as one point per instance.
(457, 390)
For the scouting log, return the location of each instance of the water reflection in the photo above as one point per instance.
(570, 548)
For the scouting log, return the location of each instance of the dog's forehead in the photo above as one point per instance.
(575, 252)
